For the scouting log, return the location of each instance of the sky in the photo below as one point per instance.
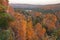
(37, 2)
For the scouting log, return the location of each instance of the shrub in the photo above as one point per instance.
(4, 19)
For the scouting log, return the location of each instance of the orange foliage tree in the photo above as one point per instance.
(30, 34)
(40, 31)
(19, 26)
(49, 21)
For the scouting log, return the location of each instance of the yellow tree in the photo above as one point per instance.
(30, 34)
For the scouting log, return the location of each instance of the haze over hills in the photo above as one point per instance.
(51, 6)
(24, 6)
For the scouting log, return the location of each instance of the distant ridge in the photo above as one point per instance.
(50, 6)
(24, 5)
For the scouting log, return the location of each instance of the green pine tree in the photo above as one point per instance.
(5, 18)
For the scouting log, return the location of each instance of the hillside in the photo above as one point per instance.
(50, 6)
(29, 24)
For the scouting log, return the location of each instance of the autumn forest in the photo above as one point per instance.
(28, 24)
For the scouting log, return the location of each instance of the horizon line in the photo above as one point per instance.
(34, 4)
